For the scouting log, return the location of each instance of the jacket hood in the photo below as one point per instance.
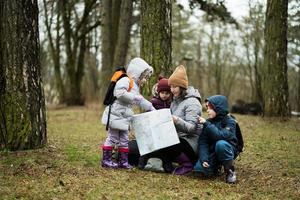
(136, 67)
(220, 104)
(192, 92)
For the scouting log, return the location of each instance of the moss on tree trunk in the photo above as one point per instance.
(275, 85)
(156, 37)
(22, 104)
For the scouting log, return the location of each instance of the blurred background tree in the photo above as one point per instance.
(252, 59)
(222, 54)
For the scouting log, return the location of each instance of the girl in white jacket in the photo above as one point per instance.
(121, 112)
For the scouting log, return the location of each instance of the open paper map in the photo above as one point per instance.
(154, 130)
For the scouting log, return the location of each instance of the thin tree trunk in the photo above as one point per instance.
(80, 69)
(123, 33)
(22, 104)
(55, 49)
(298, 95)
(109, 32)
(115, 36)
(275, 64)
(71, 52)
(75, 42)
(247, 47)
(257, 70)
(156, 36)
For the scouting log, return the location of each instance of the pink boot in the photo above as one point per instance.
(123, 158)
(106, 160)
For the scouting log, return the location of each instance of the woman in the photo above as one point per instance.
(185, 109)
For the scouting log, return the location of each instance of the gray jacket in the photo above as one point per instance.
(187, 109)
(121, 110)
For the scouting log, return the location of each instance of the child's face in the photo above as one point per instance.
(211, 113)
(164, 95)
(142, 81)
(144, 77)
(175, 90)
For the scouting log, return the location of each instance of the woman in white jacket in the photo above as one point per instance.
(121, 112)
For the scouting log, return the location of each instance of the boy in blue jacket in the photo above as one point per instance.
(217, 142)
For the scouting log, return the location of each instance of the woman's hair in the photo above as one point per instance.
(183, 92)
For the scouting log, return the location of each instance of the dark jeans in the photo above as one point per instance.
(174, 151)
(171, 153)
(134, 154)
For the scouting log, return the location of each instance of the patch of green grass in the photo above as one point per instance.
(68, 167)
(82, 155)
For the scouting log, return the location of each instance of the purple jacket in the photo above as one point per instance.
(158, 103)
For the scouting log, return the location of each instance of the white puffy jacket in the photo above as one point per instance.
(121, 110)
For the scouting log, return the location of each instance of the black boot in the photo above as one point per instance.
(229, 171)
(168, 166)
(143, 162)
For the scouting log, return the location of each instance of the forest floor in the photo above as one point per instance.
(68, 167)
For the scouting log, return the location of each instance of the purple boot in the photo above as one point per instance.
(123, 158)
(186, 165)
(106, 160)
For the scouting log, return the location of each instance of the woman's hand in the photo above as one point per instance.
(175, 119)
(205, 164)
(202, 120)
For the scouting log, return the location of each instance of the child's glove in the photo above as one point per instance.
(137, 99)
(151, 109)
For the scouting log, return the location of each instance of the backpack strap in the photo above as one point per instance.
(130, 84)
(239, 136)
(120, 74)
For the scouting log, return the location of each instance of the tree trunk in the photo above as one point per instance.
(70, 53)
(123, 33)
(55, 47)
(156, 37)
(275, 64)
(257, 64)
(298, 94)
(80, 70)
(109, 33)
(75, 43)
(22, 104)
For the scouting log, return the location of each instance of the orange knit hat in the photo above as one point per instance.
(179, 77)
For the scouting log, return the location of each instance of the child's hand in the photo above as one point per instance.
(137, 99)
(202, 120)
(205, 164)
(151, 109)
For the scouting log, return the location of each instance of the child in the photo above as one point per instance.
(121, 112)
(217, 142)
(161, 99)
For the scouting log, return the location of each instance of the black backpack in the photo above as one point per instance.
(239, 136)
(109, 96)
